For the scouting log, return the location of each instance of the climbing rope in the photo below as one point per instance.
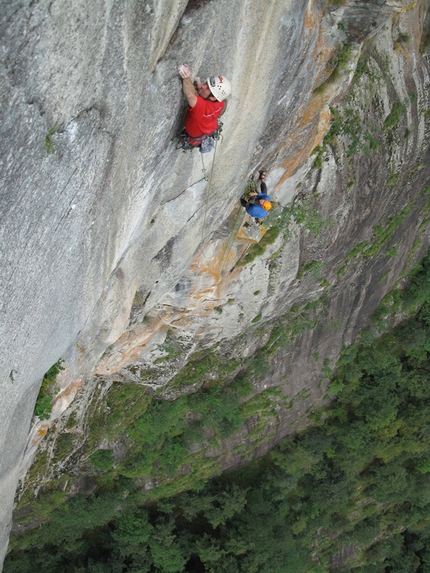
(203, 167)
(208, 187)
(238, 221)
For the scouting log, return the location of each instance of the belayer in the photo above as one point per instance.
(204, 108)
(256, 204)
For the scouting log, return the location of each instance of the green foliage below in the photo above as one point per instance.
(201, 365)
(159, 435)
(102, 459)
(358, 479)
(43, 407)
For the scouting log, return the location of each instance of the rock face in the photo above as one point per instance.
(110, 237)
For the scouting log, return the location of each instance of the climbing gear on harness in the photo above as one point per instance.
(205, 142)
(220, 87)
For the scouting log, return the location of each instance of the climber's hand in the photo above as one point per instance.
(184, 71)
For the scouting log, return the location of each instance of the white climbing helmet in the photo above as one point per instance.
(220, 87)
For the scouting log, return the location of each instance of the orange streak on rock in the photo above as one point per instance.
(296, 160)
(70, 390)
(129, 347)
(207, 293)
(40, 434)
(313, 119)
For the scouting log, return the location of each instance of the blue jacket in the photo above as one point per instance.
(257, 210)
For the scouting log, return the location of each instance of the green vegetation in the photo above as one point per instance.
(425, 39)
(259, 248)
(362, 67)
(304, 213)
(357, 250)
(393, 118)
(394, 177)
(43, 407)
(348, 123)
(338, 64)
(341, 271)
(403, 38)
(49, 144)
(382, 234)
(102, 459)
(201, 365)
(171, 346)
(354, 489)
(315, 267)
(158, 437)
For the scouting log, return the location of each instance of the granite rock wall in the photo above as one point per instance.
(104, 224)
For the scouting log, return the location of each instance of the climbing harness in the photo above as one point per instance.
(205, 142)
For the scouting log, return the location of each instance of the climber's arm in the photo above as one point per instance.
(187, 85)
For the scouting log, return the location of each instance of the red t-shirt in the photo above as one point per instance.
(202, 118)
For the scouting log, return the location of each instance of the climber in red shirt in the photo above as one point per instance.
(204, 107)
